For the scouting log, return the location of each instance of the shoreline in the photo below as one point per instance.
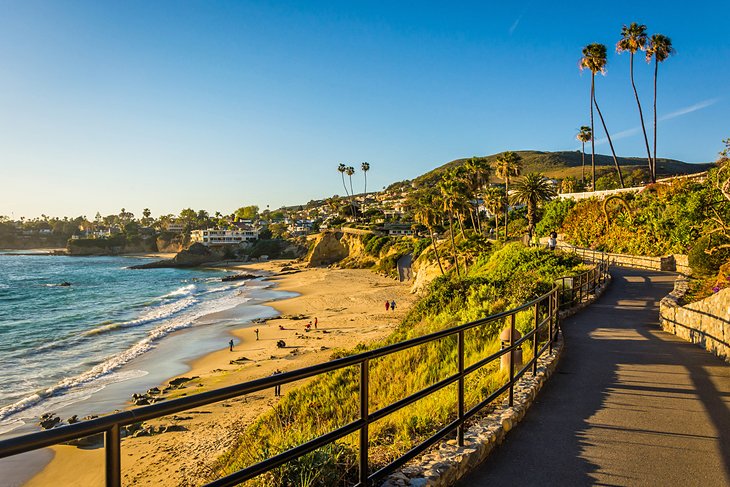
(349, 305)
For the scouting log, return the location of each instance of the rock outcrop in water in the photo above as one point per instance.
(195, 255)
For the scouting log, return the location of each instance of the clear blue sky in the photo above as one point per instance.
(217, 105)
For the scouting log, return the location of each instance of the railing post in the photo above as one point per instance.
(535, 339)
(113, 447)
(460, 428)
(551, 310)
(511, 360)
(364, 393)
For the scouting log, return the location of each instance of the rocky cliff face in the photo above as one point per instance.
(196, 255)
(327, 249)
(109, 246)
(170, 245)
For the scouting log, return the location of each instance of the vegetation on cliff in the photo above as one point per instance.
(496, 281)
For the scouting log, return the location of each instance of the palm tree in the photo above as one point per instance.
(478, 169)
(584, 135)
(508, 164)
(427, 215)
(594, 59)
(531, 190)
(495, 201)
(365, 168)
(349, 170)
(660, 48)
(452, 194)
(633, 38)
(342, 168)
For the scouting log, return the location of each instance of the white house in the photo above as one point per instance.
(218, 236)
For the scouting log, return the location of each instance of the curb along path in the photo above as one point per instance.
(628, 404)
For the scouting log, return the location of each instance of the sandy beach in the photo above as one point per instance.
(349, 307)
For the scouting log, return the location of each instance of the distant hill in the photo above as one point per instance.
(559, 165)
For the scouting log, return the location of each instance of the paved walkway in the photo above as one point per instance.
(628, 405)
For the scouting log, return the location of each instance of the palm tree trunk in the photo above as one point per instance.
(653, 167)
(641, 117)
(593, 134)
(352, 200)
(473, 222)
(453, 243)
(530, 219)
(461, 225)
(583, 165)
(496, 225)
(436, 250)
(506, 206)
(608, 136)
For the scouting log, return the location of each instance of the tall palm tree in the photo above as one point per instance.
(584, 135)
(342, 168)
(594, 59)
(426, 214)
(508, 164)
(452, 193)
(660, 48)
(633, 38)
(365, 168)
(495, 201)
(478, 170)
(349, 170)
(531, 190)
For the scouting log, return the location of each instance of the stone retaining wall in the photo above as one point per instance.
(443, 466)
(705, 323)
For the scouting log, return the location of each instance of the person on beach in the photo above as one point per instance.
(392, 305)
(309, 325)
(387, 305)
(315, 322)
(257, 334)
(277, 389)
(230, 345)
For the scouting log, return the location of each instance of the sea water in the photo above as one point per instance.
(61, 345)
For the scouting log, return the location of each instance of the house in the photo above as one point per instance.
(175, 226)
(398, 230)
(219, 236)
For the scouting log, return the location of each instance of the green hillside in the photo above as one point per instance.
(559, 165)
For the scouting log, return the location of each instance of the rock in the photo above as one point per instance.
(141, 401)
(171, 428)
(48, 421)
(73, 419)
(181, 380)
(154, 390)
(93, 441)
(65, 284)
(281, 344)
(239, 277)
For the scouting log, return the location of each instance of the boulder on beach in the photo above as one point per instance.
(49, 420)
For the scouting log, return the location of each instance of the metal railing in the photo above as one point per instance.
(545, 318)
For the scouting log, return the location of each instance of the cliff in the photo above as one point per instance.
(116, 245)
(194, 256)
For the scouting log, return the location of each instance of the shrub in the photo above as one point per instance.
(703, 263)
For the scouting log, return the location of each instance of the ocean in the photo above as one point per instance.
(64, 348)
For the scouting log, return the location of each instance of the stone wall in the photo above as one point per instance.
(671, 263)
(705, 323)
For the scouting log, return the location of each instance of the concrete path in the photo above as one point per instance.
(628, 405)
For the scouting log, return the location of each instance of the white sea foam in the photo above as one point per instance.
(172, 317)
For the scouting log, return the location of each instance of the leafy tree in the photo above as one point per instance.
(553, 215)
(633, 38)
(247, 212)
(495, 201)
(532, 190)
(569, 185)
(452, 196)
(660, 48)
(594, 59)
(427, 215)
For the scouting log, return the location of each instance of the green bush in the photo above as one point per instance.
(703, 263)
(553, 215)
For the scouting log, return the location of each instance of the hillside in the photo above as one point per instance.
(565, 163)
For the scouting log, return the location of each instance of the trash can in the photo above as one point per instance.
(504, 359)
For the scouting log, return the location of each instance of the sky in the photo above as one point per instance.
(219, 104)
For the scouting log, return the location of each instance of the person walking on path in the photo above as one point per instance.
(277, 389)
(387, 305)
(392, 305)
(257, 334)
(230, 345)
(553, 240)
(315, 322)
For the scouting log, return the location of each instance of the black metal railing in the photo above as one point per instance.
(567, 292)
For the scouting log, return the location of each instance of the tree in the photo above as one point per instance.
(584, 135)
(342, 168)
(569, 185)
(594, 59)
(426, 214)
(478, 173)
(495, 201)
(633, 38)
(365, 168)
(246, 212)
(531, 190)
(452, 194)
(660, 48)
(508, 164)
